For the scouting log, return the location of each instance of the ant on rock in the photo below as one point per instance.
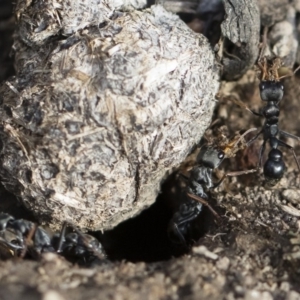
(20, 238)
(211, 155)
(271, 91)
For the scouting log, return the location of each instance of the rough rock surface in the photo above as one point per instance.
(254, 253)
(93, 122)
(243, 39)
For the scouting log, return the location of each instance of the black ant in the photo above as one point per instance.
(20, 238)
(16, 235)
(211, 155)
(271, 91)
(77, 246)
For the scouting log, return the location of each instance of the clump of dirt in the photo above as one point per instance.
(252, 252)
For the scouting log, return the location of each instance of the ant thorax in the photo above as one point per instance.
(200, 176)
(271, 113)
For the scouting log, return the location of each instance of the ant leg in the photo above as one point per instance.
(63, 234)
(234, 174)
(296, 70)
(204, 202)
(178, 233)
(177, 221)
(241, 138)
(261, 153)
(283, 144)
(61, 237)
(262, 64)
(254, 138)
(264, 43)
(28, 239)
(289, 135)
(188, 218)
(292, 136)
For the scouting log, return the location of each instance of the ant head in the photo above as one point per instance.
(271, 90)
(210, 157)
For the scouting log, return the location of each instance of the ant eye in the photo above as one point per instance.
(221, 155)
(282, 87)
(262, 86)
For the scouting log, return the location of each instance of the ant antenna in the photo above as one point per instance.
(243, 135)
(204, 202)
(264, 42)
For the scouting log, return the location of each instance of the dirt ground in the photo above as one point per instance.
(253, 252)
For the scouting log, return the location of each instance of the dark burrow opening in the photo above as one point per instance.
(145, 237)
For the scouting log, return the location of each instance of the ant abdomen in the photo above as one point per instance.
(274, 166)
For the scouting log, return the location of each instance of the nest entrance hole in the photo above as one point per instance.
(144, 238)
